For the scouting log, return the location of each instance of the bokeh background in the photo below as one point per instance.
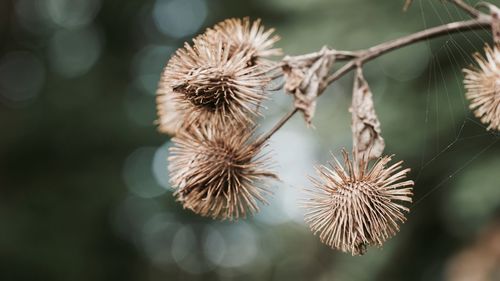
(84, 191)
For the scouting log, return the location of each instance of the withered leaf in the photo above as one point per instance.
(367, 138)
(304, 78)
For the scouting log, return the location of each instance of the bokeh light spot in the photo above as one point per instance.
(22, 76)
(138, 173)
(139, 107)
(241, 245)
(157, 237)
(74, 52)
(187, 252)
(71, 13)
(214, 245)
(179, 18)
(160, 164)
(33, 17)
(148, 64)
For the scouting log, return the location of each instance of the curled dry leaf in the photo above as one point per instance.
(366, 130)
(304, 79)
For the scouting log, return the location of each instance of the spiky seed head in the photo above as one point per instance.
(482, 84)
(219, 173)
(353, 206)
(209, 84)
(220, 78)
(242, 35)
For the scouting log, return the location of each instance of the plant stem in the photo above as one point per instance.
(276, 127)
(363, 56)
(466, 7)
(380, 49)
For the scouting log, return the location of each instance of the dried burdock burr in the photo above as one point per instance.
(352, 206)
(242, 35)
(482, 83)
(221, 77)
(208, 85)
(219, 173)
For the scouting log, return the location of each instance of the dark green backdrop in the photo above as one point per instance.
(84, 192)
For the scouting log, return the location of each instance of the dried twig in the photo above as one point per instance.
(363, 56)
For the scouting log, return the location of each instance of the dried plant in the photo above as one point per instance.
(304, 79)
(208, 84)
(483, 87)
(353, 206)
(366, 132)
(250, 37)
(216, 173)
(221, 78)
(211, 91)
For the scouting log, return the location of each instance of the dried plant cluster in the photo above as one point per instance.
(216, 173)
(208, 97)
(355, 205)
(211, 93)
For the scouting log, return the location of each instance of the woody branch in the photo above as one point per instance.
(358, 58)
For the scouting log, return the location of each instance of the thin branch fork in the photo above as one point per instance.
(484, 21)
(358, 58)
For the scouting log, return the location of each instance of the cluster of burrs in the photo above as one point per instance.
(210, 96)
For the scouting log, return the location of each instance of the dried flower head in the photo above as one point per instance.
(354, 206)
(222, 77)
(211, 86)
(483, 87)
(242, 35)
(218, 173)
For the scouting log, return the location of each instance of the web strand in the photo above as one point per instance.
(458, 57)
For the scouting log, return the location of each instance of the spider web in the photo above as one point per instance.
(438, 88)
